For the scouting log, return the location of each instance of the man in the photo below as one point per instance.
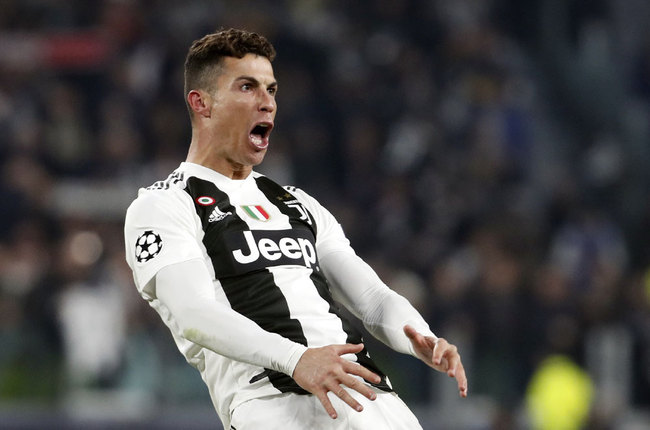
(248, 275)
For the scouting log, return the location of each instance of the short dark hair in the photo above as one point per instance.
(206, 55)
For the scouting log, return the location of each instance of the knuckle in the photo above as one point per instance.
(351, 382)
(333, 370)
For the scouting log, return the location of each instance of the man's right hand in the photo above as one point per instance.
(320, 370)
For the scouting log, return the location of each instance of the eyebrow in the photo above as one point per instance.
(255, 81)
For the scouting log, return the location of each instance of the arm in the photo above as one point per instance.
(178, 278)
(388, 316)
(186, 290)
(179, 281)
(383, 312)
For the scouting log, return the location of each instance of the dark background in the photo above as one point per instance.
(490, 159)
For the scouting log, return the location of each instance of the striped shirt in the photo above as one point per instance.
(261, 243)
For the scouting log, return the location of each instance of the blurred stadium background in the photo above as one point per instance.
(490, 158)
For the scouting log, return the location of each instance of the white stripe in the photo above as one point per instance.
(307, 306)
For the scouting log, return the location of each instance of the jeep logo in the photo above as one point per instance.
(291, 248)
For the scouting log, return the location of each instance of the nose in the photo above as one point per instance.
(267, 102)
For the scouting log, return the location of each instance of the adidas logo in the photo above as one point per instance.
(217, 215)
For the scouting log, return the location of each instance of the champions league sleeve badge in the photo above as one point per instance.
(147, 246)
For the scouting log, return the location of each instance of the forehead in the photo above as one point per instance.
(250, 65)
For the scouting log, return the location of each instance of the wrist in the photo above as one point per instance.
(292, 358)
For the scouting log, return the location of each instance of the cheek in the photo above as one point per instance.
(228, 121)
(231, 113)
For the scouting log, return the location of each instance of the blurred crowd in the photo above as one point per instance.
(489, 158)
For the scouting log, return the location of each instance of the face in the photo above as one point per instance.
(240, 115)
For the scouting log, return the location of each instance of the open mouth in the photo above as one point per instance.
(259, 135)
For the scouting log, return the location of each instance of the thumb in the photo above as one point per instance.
(417, 339)
(411, 333)
(348, 348)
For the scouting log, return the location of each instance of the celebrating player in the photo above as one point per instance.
(249, 276)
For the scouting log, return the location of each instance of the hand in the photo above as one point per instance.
(320, 370)
(439, 354)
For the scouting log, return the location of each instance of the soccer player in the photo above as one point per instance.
(249, 276)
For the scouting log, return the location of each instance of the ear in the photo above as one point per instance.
(199, 102)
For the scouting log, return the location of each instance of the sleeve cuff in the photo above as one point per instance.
(295, 353)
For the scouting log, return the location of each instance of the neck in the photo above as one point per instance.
(204, 155)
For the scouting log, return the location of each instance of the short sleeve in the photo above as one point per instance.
(161, 228)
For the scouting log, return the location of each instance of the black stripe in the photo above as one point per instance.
(213, 230)
(353, 335)
(299, 216)
(253, 294)
(256, 296)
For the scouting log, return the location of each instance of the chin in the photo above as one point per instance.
(257, 159)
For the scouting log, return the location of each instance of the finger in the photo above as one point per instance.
(461, 378)
(360, 387)
(414, 336)
(340, 392)
(357, 369)
(325, 401)
(453, 358)
(439, 350)
(456, 369)
(410, 332)
(419, 341)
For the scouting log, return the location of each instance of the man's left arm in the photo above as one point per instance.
(388, 316)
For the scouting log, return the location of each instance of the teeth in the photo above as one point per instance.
(259, 135)
(258, 141)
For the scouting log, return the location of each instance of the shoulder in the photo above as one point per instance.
(319, 212)
(176, 178)
(165, 196)
(301, 195)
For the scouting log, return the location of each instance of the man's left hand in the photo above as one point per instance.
(440, 355)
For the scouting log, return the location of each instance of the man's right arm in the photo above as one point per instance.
(186, 290)
(176, 277)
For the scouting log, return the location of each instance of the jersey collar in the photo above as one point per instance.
(208, 174)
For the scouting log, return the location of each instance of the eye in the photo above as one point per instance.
(273, 91)
(246, 87)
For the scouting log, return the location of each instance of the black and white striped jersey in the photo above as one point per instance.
(261, 243)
